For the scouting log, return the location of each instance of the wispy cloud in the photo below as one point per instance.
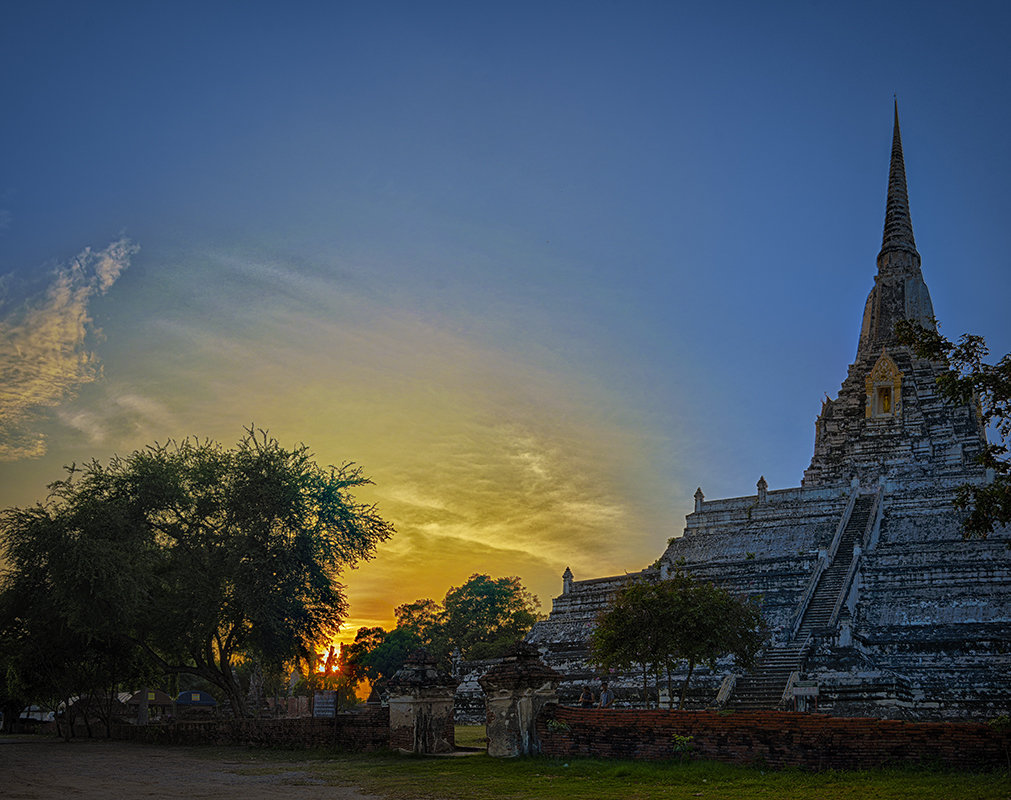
(44, 357)
(121, 415)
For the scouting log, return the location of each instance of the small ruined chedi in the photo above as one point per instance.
(875, 602)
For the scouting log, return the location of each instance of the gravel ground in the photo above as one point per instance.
(46, 767)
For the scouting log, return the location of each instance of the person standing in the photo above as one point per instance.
(606, 696)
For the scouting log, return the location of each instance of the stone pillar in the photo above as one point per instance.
(516, 690)
(567, 581)
(421, 707)
(763, 490)
(699, 497)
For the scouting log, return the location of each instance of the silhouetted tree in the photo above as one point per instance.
(425, 620)
(479, 619)
(375, 655)
(199, 555)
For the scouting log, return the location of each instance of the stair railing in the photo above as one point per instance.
(844, 590)
(788, 691)
(726, 690)
(843, 522)
(808, 593)
(824, 561)
(873, 520)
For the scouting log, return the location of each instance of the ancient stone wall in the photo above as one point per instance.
(774, 739)
(923, 436)
(404, 737)
(421, 706)
(762, 550)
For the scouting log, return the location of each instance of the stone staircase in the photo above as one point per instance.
(822, 603)
(763, 686)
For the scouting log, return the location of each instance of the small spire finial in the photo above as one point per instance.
(898, 233)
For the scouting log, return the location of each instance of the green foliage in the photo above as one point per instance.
(479, 619)
(377, 654)
(986, 387)
(199, 556)
(426, 621)
(682, 746)
(485, 615)
(657, 625)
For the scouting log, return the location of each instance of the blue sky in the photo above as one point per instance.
(541, 268)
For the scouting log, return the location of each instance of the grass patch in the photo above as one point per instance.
(472, 736)
(482, 778)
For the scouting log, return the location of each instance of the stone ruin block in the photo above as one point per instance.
(421, 707)
(517, 690)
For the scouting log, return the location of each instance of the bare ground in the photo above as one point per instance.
(42, 767)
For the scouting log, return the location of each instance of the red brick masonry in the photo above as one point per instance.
(366, 730)
(773, 738)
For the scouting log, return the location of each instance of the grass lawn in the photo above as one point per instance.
(471, 736)
(478, 777)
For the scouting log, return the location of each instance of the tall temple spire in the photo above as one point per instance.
(899, 291)
(898, 233)
(888, 419)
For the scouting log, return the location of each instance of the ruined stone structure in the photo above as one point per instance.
(861, 572)
(517, 690)
(421, 707)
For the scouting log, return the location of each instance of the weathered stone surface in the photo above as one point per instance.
(517, 690)
(421, 707)
(469, 701)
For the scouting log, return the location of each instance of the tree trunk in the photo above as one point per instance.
(234, 692)
(684, 686)
(68, 718)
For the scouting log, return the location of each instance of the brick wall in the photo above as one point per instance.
(776, 739)
(359, 731)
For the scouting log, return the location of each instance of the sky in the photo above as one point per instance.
(540, 268)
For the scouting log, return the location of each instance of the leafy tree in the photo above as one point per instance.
(377, 654)
(486, 615)
(479, 619)
(425, 620)
(969, 380)
(657, 625)
(49, 655)
(630, 633)
(198, 555)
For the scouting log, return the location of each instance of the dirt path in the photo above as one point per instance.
(45, 767)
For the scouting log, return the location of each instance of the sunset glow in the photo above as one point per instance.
(542, 270)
